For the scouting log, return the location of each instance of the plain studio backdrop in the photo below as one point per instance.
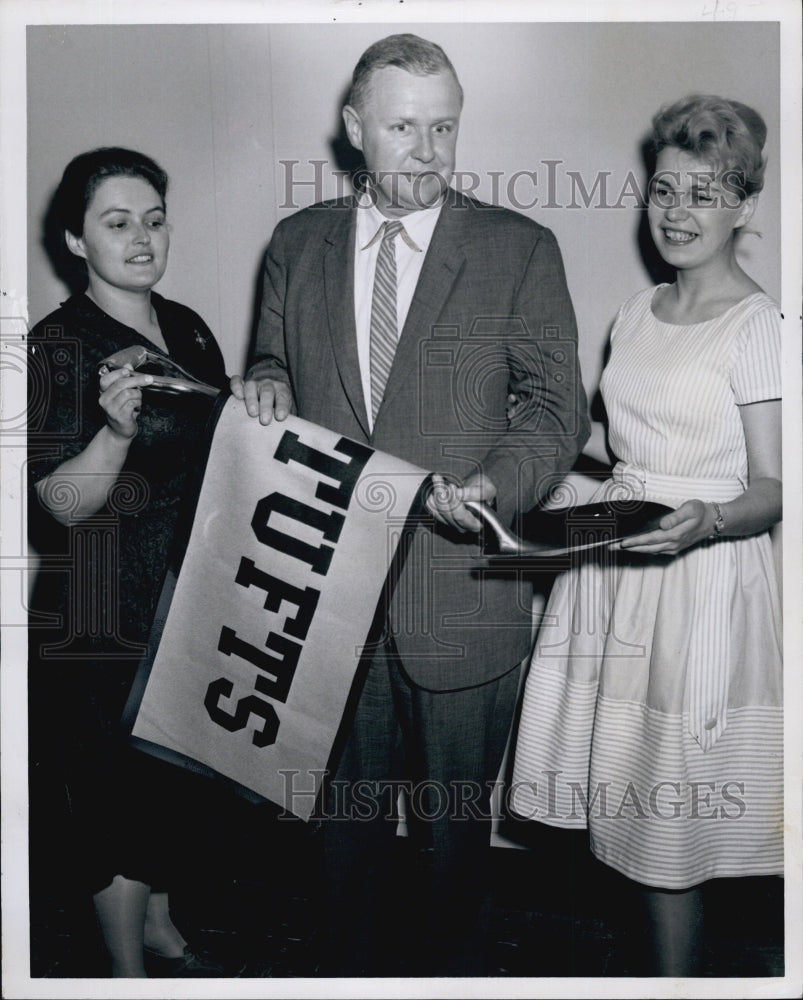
(246, 121)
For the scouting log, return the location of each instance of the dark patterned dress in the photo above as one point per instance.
(97, 587)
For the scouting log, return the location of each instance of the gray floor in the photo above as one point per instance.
(254, 905)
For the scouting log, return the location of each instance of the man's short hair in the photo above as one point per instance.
(408, 52)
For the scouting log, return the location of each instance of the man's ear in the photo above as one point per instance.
(75, 244)
(353, 123)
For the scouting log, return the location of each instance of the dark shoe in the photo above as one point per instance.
(191, 964)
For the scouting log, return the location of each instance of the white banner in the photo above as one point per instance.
(258, 640)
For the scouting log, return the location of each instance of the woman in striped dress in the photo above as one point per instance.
(652, 711)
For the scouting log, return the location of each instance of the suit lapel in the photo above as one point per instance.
(338, 274)
(444, 261)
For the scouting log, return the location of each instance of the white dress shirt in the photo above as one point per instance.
(411, 249)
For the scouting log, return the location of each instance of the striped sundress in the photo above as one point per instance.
(652, 711)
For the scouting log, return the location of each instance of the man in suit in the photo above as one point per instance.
(479, 308)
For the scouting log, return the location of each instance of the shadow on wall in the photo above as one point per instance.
(345, 156)
(659, 271)
(346, 160)
(66, 266)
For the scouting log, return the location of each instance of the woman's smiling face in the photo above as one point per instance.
(125, 239)
(693, 211)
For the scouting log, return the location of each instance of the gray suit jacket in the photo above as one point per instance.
(491, 313)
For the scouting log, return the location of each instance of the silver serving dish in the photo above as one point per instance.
(552, 533)
(175, 381)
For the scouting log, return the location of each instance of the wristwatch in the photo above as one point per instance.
(719, 524)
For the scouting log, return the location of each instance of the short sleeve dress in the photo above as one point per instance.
(98, 584)
(652, 711)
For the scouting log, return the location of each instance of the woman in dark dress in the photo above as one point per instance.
(109, 462)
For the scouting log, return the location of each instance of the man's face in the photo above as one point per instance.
(407, 131)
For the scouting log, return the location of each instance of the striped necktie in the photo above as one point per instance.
(384, 326)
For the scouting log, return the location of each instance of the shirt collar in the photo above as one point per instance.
(418, 226)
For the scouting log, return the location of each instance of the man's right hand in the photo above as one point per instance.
(265, 398)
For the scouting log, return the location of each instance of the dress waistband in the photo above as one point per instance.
(641, 482)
